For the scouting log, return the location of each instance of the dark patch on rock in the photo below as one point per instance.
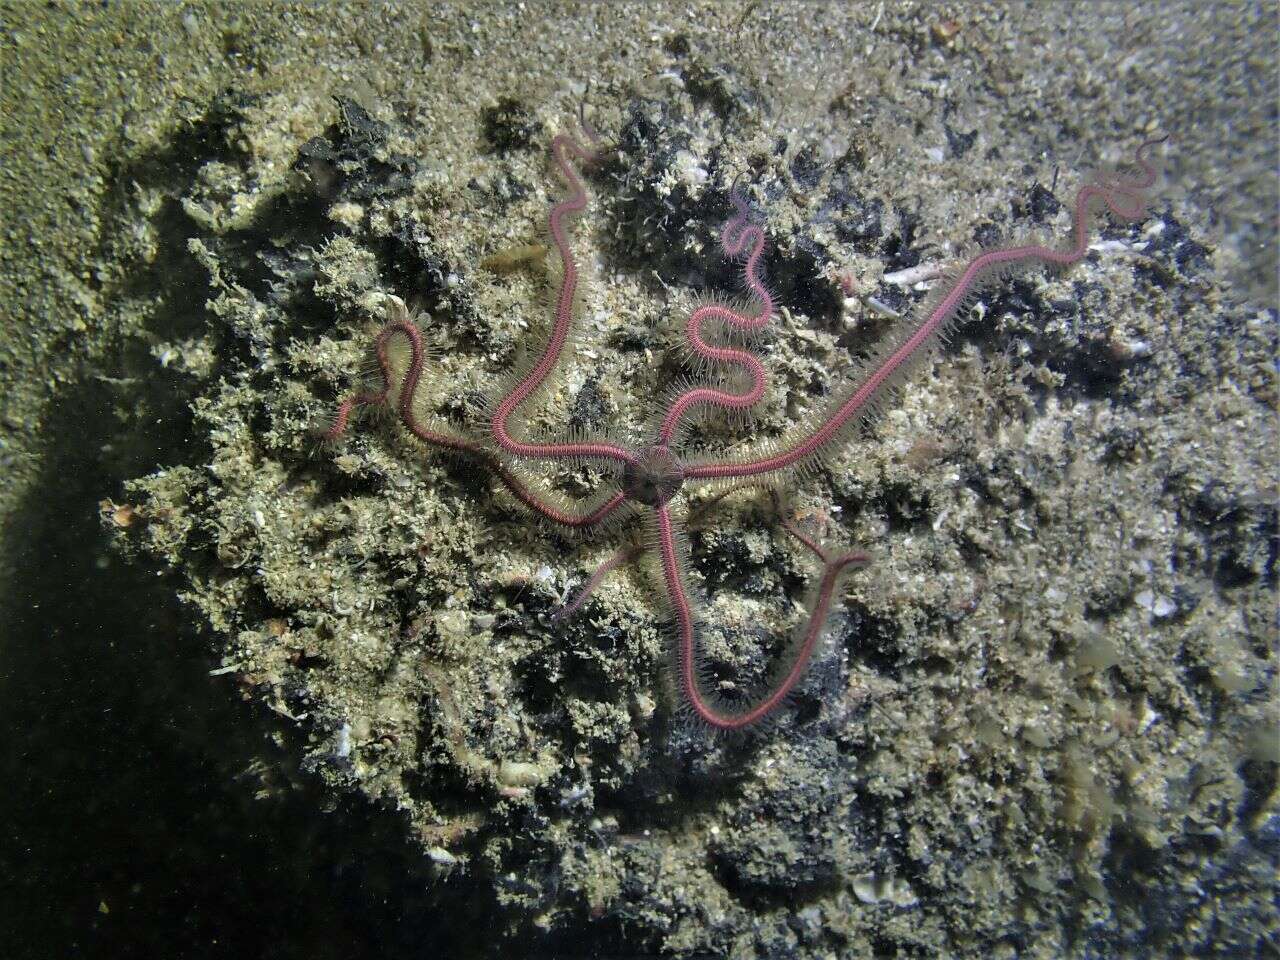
(589, 410)
(1108, 598)
(1172, 244)
(988, 235)
(657, 218)
(1242, 535)
(806, 169)
(856, 218)
(873, 640)
(1040, 205)
(722, 90)
(1156, 903)
(959, 143)
(899, 250)
(509, 125)
(350, 161)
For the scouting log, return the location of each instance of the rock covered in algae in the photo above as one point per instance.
(1046, 697)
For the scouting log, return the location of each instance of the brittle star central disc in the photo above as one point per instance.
(655, 477)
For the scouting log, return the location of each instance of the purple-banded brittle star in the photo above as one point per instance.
(650, 475)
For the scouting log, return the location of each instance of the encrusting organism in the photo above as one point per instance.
(650, 474)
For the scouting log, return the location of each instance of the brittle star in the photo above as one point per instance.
(649, 475)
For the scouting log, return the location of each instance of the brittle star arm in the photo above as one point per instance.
(738, 236)
(399, 389)
(616, 560)
(636, 550)
(706, 704)
(562, 146)
(559, 514)
(1124, 198)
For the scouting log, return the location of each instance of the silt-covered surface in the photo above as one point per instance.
(1043, 724)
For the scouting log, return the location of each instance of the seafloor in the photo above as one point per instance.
(323, 707)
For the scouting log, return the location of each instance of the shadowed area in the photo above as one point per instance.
(145, 810)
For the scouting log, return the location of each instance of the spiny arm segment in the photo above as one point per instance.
(400, 387)
(708, 706)
(563, 147)
(739, 236)
(1124, 198)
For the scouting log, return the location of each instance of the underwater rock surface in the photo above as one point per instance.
(1043, 725)
(1012, 730)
